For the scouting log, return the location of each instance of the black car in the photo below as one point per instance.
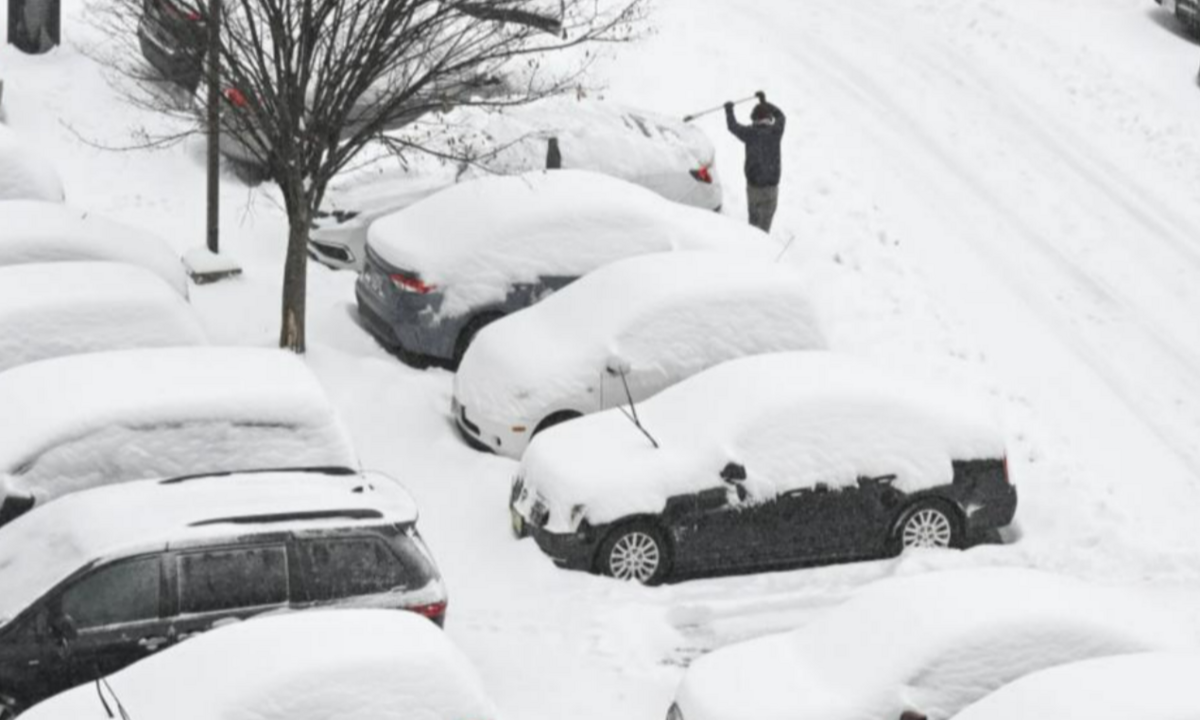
(1186, 11)
(97, 580)
(769, 461)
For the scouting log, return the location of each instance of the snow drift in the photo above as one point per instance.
(24, 175)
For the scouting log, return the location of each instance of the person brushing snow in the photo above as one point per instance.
(762, 140)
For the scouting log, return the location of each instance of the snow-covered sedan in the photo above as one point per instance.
(622, 334)
(929, 644)
(348, 664)
(765, 461)
(87, 420)
(50, 310)
(674, 159)
(34, 231)
(1146, 686)
(441, 270)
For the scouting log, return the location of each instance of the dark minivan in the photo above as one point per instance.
(96, 580)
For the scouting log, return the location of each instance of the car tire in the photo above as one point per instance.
(553, 419)
(467, 335)
(928, 524)
(635, 551)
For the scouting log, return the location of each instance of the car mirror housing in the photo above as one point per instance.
(64, 628)
(616, 365)
(733, 473)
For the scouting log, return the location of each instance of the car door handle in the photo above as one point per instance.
(152, 642)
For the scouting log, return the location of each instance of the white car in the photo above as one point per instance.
(50, 310)
(87, 420)
(674, 159)
(622, 334)
(312, 665)
(23, 174)
(34, 231)
(1146, 686)
(931, 644)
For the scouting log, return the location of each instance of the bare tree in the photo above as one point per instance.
(309, 84)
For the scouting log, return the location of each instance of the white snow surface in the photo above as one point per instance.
(477, 239)
(88, 420)
(24, 175)
(43, 547)
(311, 665)
(932, 643)
(792, 419)
(56, 309)
(33, 231)
(1146, 686)
(667, 316)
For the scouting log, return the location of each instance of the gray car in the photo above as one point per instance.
(439, 271)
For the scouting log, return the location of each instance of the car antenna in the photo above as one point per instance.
(633, 418)
(787, 246)
(101, 686)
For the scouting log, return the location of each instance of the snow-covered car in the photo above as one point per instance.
(929, 644)
(24, 175)
(51, 310)
(1186, 11)
(441, 270)
(87, 420)
(42, 232)
(347, 664)
(116, 573)
(673, 158)
(765, 461)
(1146, 686)
(622, 334)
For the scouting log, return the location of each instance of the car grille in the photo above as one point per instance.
(336, 252)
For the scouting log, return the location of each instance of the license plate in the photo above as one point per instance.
(518, 524)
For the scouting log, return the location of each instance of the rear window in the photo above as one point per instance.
(352, 566)
(230, 579)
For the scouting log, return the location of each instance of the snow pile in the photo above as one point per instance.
(23, 175)
(38, 232)
(933, 643)
(477, 239)
(1146, 686)
(95, 419)
(667, 316)
(311, 665)
(57, 309)
(42, 548)
(792, 419)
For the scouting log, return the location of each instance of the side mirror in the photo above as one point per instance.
(733, 473)
(616, 365)
(64, 629)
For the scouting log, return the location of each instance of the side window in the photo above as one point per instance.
(121, 593)
(232, 578)
(339, 568)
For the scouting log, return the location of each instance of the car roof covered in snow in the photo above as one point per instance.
(663, 314)
(24, 175)
(1146, 686)
(34, 231)
(51, 310)
(933, 642)
(793, 419)
(477, 239)
(311, 665)
(55, 408)
(46, 545)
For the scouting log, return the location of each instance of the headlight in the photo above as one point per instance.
(674, 713)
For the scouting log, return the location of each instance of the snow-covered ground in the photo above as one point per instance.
(1001, 193)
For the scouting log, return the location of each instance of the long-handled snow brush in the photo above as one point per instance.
(702, 113)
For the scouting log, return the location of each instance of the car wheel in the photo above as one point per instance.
(468, 333)
(553, 419)
(928, 524)
(636, 552)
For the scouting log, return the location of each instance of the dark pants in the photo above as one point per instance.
(762, 202)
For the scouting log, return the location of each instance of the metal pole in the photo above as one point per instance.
(213, 56)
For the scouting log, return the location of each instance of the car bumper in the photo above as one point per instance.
(402, 325)
(993, 511)
(570, 551)
(487, 435)
(340, 247)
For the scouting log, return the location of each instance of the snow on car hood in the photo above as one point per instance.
(668, 315)
(793, 419)
(934, 642)
(34, 231)
(68, 308)
(23, 175)
(477, 239)
(345, 664)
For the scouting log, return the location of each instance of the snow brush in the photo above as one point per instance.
(702, 113)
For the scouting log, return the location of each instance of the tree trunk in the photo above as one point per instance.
(295, 278)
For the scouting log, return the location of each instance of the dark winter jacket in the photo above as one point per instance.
(762, 146)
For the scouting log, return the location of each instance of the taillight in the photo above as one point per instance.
(434, 611)
(702, 175)
(236, 98)
(192, 15)
(404, 283)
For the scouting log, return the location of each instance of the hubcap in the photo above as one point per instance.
(927, 527)
(635, 556)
